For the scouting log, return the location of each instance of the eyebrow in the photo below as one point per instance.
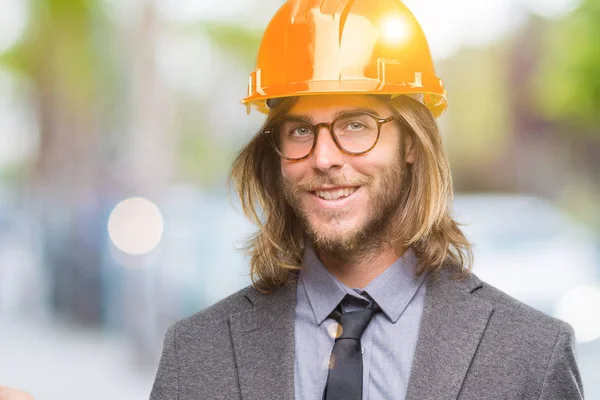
(307, 117)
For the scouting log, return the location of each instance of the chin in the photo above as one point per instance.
(334, 231)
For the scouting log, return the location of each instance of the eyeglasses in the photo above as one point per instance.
(357, 133)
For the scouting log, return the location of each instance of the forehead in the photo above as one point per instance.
(326, 107)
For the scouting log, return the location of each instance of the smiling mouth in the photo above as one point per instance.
(335, 194)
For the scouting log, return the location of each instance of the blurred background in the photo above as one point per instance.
(119, 120)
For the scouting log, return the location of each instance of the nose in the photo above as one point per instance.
(326, 154)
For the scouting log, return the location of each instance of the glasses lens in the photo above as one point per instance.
(294, 138)
(356, 133)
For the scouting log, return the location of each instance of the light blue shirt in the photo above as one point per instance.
(388, 343)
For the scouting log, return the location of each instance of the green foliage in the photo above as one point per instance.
(478, 131)
(59, 49)
(240, 41)
(204, 159)
(569, 79)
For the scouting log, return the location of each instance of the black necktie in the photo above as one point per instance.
(344, 381)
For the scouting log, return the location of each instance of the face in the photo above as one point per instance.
(344, 201)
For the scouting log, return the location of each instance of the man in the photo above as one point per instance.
(362, 287)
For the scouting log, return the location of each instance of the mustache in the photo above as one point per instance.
(313, 183)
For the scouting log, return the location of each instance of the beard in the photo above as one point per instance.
(386, 193)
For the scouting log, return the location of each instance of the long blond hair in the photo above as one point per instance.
(424, 223)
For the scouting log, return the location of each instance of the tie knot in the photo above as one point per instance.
(356, 321)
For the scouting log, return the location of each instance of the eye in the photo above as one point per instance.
(301, 131)
(356, 126)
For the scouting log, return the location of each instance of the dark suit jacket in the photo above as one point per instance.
(475, 342)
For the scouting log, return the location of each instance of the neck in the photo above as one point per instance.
(357, 271)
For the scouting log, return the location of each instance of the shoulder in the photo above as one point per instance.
(516, 315)
(214, 320)
(207, 331)
(198, 356)
(510, 322)
(451, 288)
(515, 326)
(520, 340)
(216, 315)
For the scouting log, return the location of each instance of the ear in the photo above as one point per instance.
(410, 152)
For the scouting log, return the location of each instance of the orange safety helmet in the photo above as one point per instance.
(344, 46)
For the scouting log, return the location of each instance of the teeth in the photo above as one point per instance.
(335, 194)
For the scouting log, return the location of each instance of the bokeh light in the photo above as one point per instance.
(13, 22)
(450, 25)
(395, 30)
(580, 307)
(135, 226)
(335, 330)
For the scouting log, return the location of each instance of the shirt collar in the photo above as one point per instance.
(324, 291)
(393, 289)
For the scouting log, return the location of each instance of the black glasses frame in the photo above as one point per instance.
(316, 129)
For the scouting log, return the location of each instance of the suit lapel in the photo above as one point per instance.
(451, 328)
(263, 343)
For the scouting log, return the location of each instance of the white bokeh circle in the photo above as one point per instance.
(580, 307)
(135, 226)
